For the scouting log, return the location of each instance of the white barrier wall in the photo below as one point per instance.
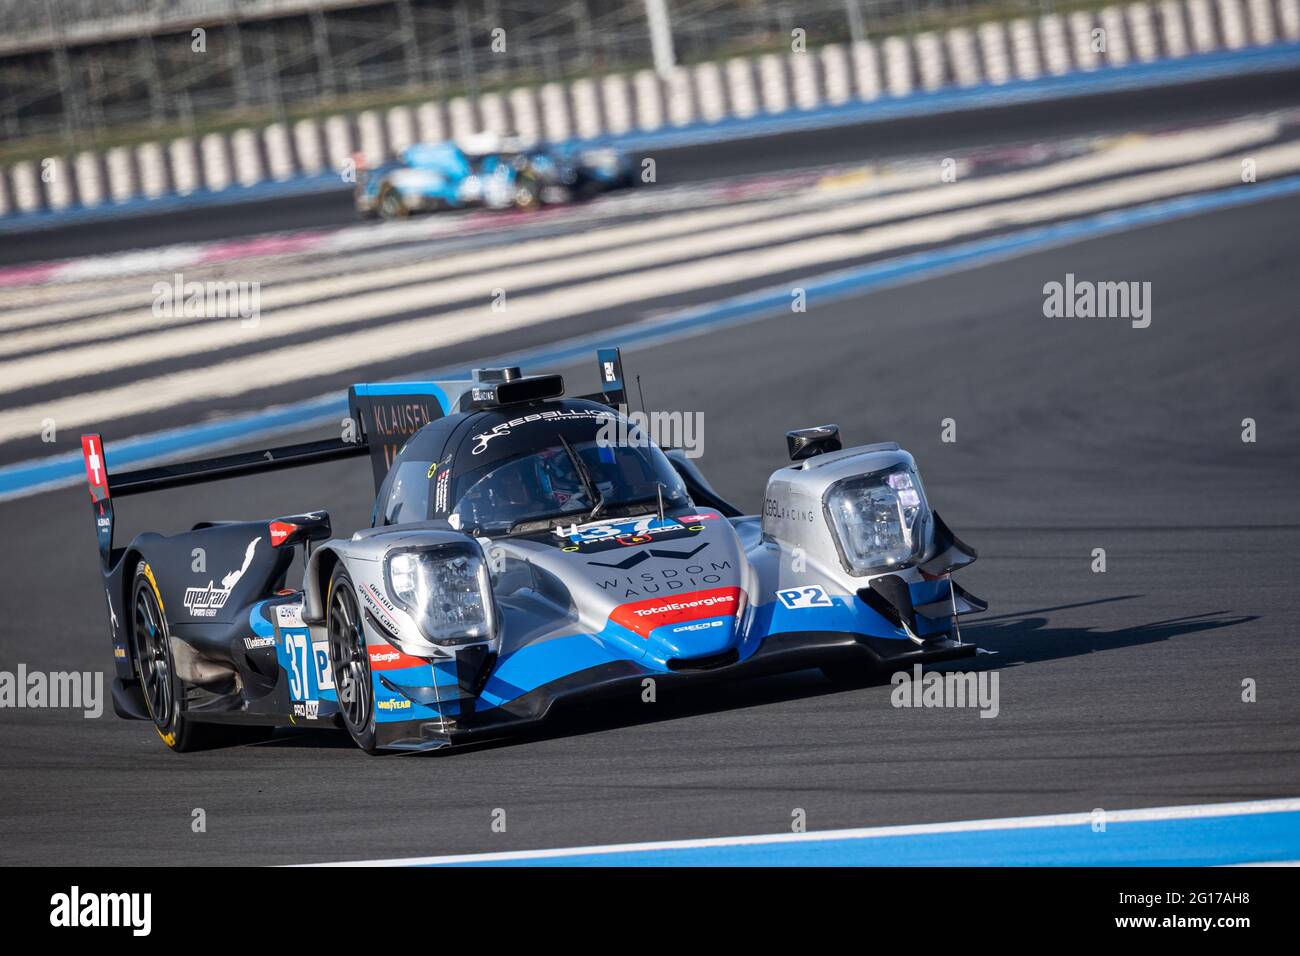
(371, 141)
(1204, 37)
(587, 120)
(56, 175)
(247, 156)
(741, 89)
(307, 141)
(493, 111)
(866, 69)
(523, 109)
(1289, 17)
(1173, 28)
(1112, 21)
(1024, 49)
(837, 75)
(25, 181)
(649, 100)
(805, 92)
(709, 92)
(1142, 30)
(185, 167)
(679, 96)
(1234, 24)
(618, 104)
(1260, 15)
(338, 143)
(962, 56)
(930, 60)
(1056, 49)
(432, 125)
(401, 128)
(460, 115)
(774, 83)
(994, 53)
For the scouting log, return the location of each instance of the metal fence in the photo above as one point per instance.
(84, 70)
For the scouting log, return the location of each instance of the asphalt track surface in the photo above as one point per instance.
(1117, 689)
(947, 134)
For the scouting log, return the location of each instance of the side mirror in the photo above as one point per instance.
(295, 529)
(807, 442)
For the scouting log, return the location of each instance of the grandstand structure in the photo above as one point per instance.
(79, 69)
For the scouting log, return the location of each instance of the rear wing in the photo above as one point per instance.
(104, 487)
(384, 417)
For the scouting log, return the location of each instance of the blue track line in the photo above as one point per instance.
(57, 471)
(1211, 841)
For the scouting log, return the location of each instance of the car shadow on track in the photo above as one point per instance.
(1011, 639)
(1028, 638)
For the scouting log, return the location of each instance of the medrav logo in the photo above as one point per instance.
(77, 909)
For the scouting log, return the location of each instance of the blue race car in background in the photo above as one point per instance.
(487, 171)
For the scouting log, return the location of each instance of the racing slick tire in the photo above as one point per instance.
(528, 192)
(350, 660)
(161, 687)
(390, 203)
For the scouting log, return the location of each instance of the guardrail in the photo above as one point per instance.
(742, 89)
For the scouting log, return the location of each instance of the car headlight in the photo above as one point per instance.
(446, 589)
(879, 519)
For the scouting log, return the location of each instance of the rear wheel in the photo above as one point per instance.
(163, 692)
(350, 660)
(390, 203)
(528, 192)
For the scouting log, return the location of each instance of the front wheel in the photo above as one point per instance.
(350, 660)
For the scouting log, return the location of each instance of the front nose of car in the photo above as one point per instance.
(697, 640)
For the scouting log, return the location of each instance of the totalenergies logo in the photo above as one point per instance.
(385, 657)
(644, 616)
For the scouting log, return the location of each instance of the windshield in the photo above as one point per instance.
(545, 484)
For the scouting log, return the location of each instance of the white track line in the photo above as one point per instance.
(281, 295)
(1192, 812)
(1127, 155)
(333, 254)
(351, 350)
(561, 263)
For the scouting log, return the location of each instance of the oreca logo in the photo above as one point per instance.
(707, 625)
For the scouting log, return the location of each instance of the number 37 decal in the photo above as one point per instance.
(814, 596)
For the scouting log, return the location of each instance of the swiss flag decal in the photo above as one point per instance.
(92, 452)
(644, 616)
